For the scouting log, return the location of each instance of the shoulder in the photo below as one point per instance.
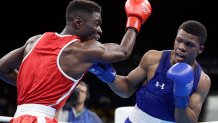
(204, 82)
(85, 46)
(33, 39)
(82, 49)
(29, 43)
(151, 57)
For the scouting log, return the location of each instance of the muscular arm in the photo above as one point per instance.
(81, 55)
(9, 64)
(111, 52)
(191, 113)
(125, 86)
(123, 51)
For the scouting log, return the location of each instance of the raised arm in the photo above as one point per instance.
(137, 12)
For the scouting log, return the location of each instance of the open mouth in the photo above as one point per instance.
(179, 57)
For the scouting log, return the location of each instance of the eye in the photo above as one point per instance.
(190, 44)
(179, 40)
(97, 23)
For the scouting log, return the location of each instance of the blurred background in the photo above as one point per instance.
(23, 19)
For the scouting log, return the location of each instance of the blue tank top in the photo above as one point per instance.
(156, 96)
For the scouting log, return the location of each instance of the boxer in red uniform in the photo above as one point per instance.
(51, 65)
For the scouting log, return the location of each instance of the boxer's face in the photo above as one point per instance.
(91, 27)
(186, 47)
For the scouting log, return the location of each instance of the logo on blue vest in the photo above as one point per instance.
(160, 85)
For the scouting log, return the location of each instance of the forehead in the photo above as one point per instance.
(183, 35)
(96, 16)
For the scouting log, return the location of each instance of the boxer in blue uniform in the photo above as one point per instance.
(170, 85)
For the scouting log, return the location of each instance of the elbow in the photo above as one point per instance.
(126, 54)
(124, 94)
(128, 92)
(121, 93)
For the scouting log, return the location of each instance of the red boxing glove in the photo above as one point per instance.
(137, 12)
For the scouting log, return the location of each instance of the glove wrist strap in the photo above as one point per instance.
(133, 22)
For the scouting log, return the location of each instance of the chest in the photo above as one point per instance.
(159, 84)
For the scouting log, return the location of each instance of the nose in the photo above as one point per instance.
(100, 30)
(182, 47)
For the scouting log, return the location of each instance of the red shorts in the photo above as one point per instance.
(32, 119)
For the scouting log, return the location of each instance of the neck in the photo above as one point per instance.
(79, 107)
(66, 31)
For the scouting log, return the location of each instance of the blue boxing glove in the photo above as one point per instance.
(183, 77)
(105, 72)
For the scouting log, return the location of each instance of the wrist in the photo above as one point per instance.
(181, 102)
(109, 78)
(133, 22)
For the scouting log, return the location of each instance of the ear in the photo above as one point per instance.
(77, 22)
(201, 49)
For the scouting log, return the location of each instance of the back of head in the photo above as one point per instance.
(81, 8)
(195, 28)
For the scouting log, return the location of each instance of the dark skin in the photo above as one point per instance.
(79, 55)
(186, 49)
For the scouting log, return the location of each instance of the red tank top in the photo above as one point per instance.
(41, 79)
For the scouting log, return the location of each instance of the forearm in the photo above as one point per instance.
(128, 41)
(186, 115)
(120, 87)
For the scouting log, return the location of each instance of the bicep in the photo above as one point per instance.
(114, 52)
(139, 75)
(125, 86)
(136, 77)
(105, 53)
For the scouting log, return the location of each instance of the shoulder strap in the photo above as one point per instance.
(197, 76)
(163, 60)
